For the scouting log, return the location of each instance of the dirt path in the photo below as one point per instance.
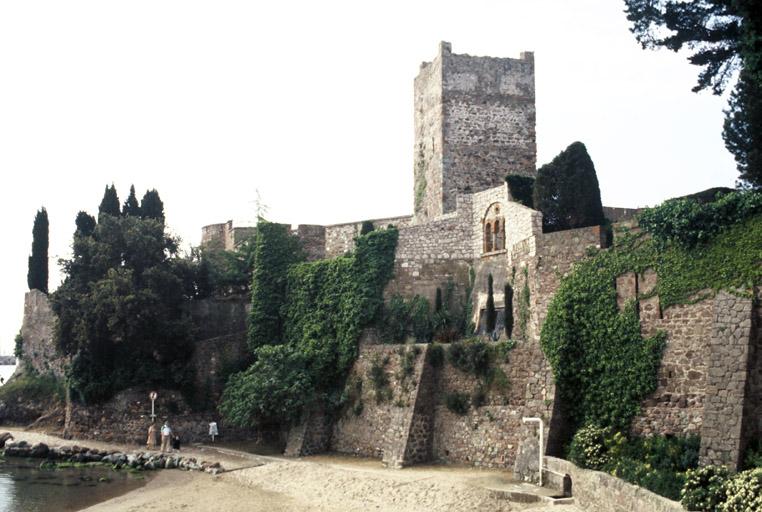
(328, 483)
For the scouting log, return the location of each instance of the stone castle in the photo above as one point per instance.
(475, 124)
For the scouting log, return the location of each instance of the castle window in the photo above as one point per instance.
(487, 237)
(499, 243)
(494, 229)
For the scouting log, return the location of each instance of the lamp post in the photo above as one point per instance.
(153, 395)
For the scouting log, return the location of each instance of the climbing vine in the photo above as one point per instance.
(602, 365)
(325, 307)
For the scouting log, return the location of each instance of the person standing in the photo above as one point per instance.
(213, 430)
(151, 441)
(166, 434)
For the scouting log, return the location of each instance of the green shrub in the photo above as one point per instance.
(32, 386)
(379, 378)
(276, 388)
(479, 396)
(664, 482)
(588, 447)
(420, 319)
(396, 319)
(689, 222)
(366, 227)
(436, 355)
(753, 457)
(704, 488)
(407, 362)
(470, 356)
(744, 492)
(18, 346)
(457, 403)
(499, 380)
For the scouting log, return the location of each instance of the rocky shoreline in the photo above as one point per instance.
(139, 460)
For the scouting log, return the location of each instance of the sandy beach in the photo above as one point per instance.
(327, 483)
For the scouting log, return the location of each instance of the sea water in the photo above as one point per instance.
(25, 487)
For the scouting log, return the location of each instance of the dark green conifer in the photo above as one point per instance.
(508, 310)
(85, 224)
(151, 206)
(566, 191)
(37, 274)
(491, 313)
(131, 206)
(109, 204)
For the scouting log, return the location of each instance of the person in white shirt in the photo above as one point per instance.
(166, 434)
(213, 430)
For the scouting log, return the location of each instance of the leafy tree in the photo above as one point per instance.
(151, 206)
(521, 189)
(37, 274)
(724, 37)
(120, 307)
(226, 272)
(743, 126)
(491, 313)
(109, 204)
(276, 249)
(85, 224)
(131, 206)
(566, 191)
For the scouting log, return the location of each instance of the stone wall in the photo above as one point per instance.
(37, 330)
(722, 439)
(225, 236)
(340, 238)
(595, 491)
(677, 405)
(377, 421)
(313, 240)
(490, 435)
(126, 417)
(753, 410)
(221, 316)
(213, 361)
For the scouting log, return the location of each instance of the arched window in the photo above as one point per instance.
(499, 243)
(488, 238)
(494, 229)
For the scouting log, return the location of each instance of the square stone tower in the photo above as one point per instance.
(474, 124)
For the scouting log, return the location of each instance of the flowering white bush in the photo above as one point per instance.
(744, 492)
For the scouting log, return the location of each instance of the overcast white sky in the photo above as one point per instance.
(312, 104)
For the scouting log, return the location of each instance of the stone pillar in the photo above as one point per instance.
(729, 350)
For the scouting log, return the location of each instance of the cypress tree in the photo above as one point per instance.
(491, 313)
(37, 274)
(131, 206)
(85, 224)
(110, 203)
(566, 191)
(438, 301)
(151, 206)
(508, 309)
